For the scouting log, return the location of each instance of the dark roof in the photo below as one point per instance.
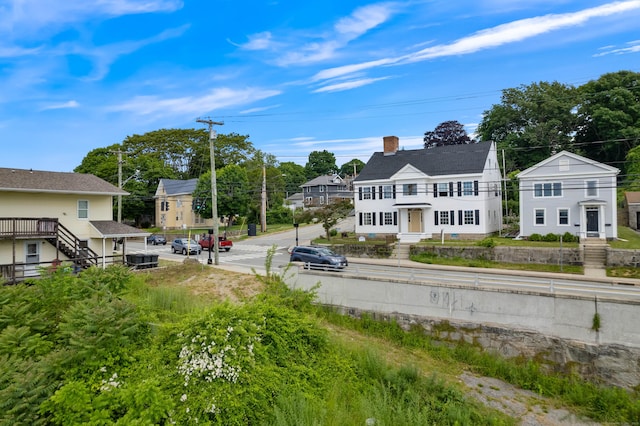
(324, 180)
(438, 161)
(113, 229)
(19, 180)
(179, 187)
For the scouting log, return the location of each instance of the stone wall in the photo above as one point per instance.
(546, 255)
(619, 257)
(612, 364)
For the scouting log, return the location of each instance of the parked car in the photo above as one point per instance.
(321, 257)
(223, 244)
(184, 246)
(156, 239)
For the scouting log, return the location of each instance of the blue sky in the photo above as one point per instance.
(294, 76)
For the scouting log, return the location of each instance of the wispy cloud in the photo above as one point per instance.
(348, 85)
(490, 38)
(192, 105)
(258, 41)
(259, 109)
(344, 31)
(632, 47)
(64, 105)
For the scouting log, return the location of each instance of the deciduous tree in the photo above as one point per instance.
(447, 133)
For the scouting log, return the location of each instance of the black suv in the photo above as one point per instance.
(318, 257)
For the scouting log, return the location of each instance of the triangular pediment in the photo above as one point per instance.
(565, 164)
(409, 172)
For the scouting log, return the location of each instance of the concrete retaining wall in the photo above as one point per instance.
(549, 327)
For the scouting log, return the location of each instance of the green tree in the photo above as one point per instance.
(447, 133)
(328, 214)
(349, 167)
(320, 163)
(294, 176)
(531, 123)
(609, 117)
(232, 192)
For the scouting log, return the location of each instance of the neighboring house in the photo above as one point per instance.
(324, 190)
(50, 217)
(174, 205)
(568, 193)
(631, 211)
(295, 201)
(419, 194)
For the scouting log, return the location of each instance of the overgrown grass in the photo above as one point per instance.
(431, 258)
(606, 404)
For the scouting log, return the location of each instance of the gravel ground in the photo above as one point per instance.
(530, 408)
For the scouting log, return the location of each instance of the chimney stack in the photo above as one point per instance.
(391, 144)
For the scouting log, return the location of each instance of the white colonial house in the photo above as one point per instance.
(569, 193)
(450, 191)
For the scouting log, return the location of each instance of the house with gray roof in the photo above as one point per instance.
(325, 189)
(451, 191)
(174, 205)
(48, 218)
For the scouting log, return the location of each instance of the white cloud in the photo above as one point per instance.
(64, 105)
(490, 38)
(259, 109)
(192, 105)
(633, 47)
(348, 85)
(258, 41)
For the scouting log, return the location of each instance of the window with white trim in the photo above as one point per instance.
(321, 188)
(443, 190)
(387, 191)
(547, 189)
(467, 188)
(539, 217)
(366, 193)
(592, 188)
(83, 209)
(563, 217)
(468, 217)
(366, 218)
(444, 218)
(410, 189)
(388, 218)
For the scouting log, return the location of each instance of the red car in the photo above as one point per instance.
(223, 244)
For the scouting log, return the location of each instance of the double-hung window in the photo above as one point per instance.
(443, 189)
(366, 193)
(467, 188)
(410, 189)
(83, 209)
(388, 218)
(539, 216)
(444, 218)
(387, 191)
(547, 189)
(563, 216)
(592, 188)
(366, 218)
(468, 217)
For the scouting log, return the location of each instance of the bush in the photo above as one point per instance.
(333, 232)
(568, 237)
(551, 238)
(535, 237)
(487, 242)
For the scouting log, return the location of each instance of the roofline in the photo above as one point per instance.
(53, 191)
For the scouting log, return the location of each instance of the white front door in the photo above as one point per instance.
(32, 258)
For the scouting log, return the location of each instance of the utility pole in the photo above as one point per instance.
(214, 189)
(119, 152)
(263, 210)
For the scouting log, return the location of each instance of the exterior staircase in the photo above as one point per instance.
(401, 251)
(72, 247)
(594, 253)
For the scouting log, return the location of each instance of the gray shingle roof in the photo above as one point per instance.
(113, 229)
(438, 161)
(324, 180)
(179, 187)
(20, 180)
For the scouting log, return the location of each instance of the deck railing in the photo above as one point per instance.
(25, 227)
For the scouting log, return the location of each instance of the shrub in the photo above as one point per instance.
(487, 242)
(333, 232)
(535, 237)
(551, 237)
(568, 237)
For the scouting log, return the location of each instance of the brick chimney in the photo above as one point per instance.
(391, 144)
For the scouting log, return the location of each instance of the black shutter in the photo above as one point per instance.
(459, 217)
(475, 188)
(435, 191)
(477, 217)
(380, 192)
(373, 193)
(395, 218)
(360, 218)
(452, 217)
(459, 189)
(373, 219)
(450, 189)
(360, 195)
(381, 218)
(394, 191)
(435, 217)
